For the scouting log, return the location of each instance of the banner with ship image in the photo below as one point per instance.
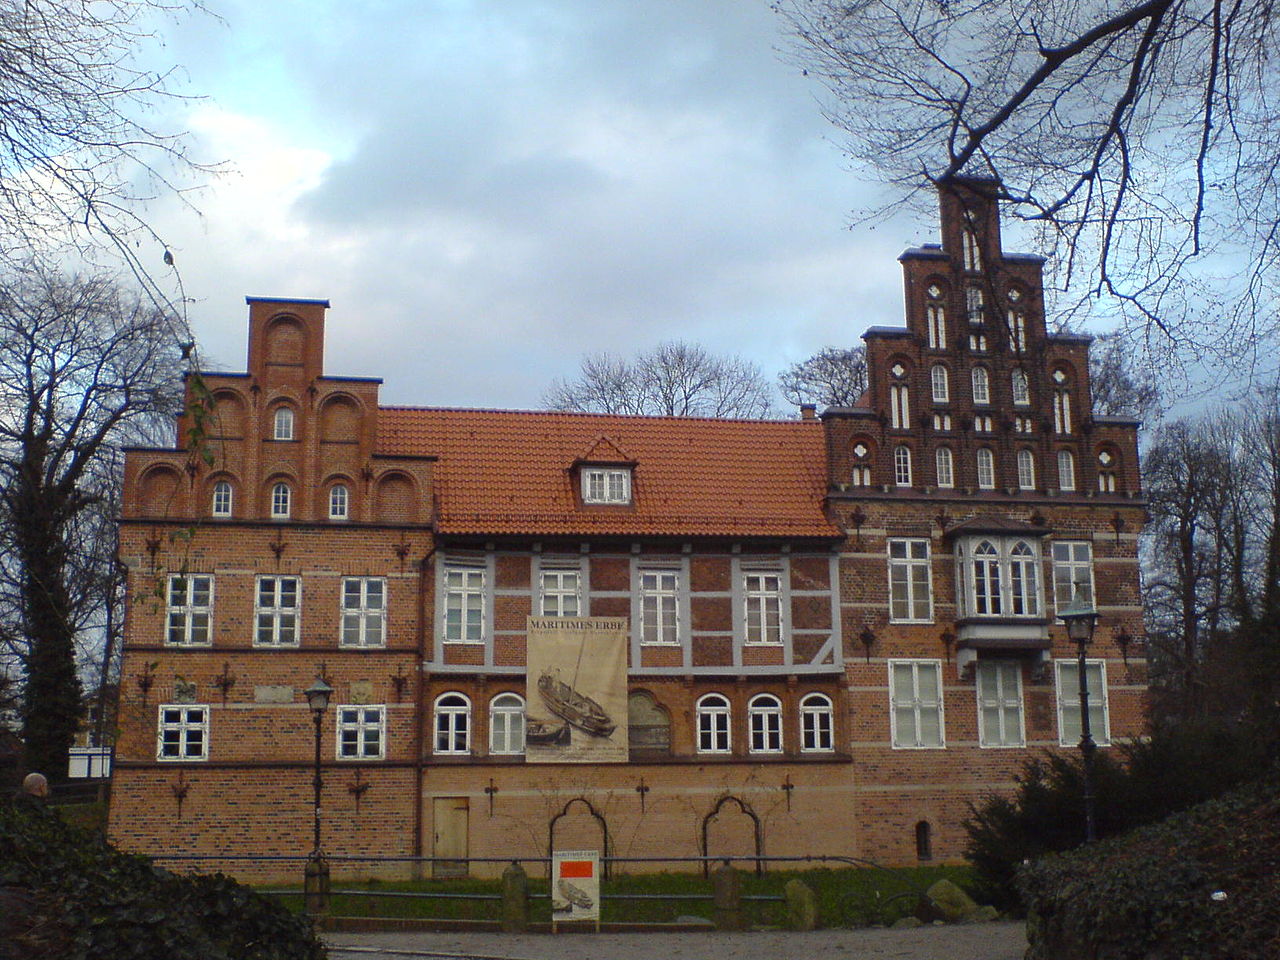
(576, 701)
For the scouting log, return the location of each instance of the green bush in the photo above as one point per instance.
(1138, 783)
(1204, 883)
(90, 901)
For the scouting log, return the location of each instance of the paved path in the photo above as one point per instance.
(986, 941)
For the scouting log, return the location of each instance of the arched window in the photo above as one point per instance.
(764, 720)
(281, 497)
(936, 319)
(1061, 411)
(816, 735)
(338, 502)
(986, 468)
(943, 462)
(974, 305)
(861, 475)
(902, 466)
(221, 499)
(899, 406)
(283, 424)
(453, 724)
(1106, 472)
(1021, 391)
(924, 841)
(981, 385)
(713, 724)
(986, 579)
(941, 385)
(972, 253)
(648, 725)
(1026, 470)
(1024, 584)
(506, 724)
(1066, 470)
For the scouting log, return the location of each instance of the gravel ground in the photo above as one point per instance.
(986, 941)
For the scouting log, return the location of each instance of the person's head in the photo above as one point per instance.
(36, 785)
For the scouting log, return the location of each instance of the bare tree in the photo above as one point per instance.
(1119, 387)
(84, 366)
(832, 377)
(675, 379)
(1141, 136)
(78, 161)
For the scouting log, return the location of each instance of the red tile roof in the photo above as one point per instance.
(508, 472)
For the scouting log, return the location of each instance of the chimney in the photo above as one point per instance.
(808, 411)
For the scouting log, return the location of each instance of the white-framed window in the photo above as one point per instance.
(982, 424)
(275, 612)
(1068, 682)
(902, 465)
(936, 321)
(899, 406)
(981, 385)
(560, 592)
(817, 733)
(1026, 470)
(910, 581)
(182, 732)
(464, 602)
(339, 502)
(986, 462)
(945, 466)
(974, 307)
(452, 724)
(506, 724)
(764, 722)
(941, 384)
(1024, 425)
(1019, 387)
(1024, 580)
(1017, 330)
(1066, 470)
(762, 595)
(999, 685)
(361, 732)
(972, 253)
(190, 610)
(1072, 572)
(606, 485)
(998, 577)
(660, 607)
(915, 704)
(1061, 411)
(221, 505)
(283, 426)
(713, 724)
(942, 422)
(861, 474)
(281, 500)
(1106, 472)
(364, 611)
(978, 342)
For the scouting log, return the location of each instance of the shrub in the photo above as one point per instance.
(91, 901)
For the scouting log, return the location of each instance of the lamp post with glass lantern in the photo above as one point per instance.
(1081, 618)
(316, 878)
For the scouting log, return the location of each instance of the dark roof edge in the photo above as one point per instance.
(323, 303)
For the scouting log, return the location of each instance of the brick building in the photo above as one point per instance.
(836, 632)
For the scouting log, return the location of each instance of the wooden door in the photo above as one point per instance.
(449, 823)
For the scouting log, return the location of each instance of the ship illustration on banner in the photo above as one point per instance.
(576, 690)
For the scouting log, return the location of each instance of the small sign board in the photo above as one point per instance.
(575, 886)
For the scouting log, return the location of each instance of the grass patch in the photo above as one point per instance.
(846, 897)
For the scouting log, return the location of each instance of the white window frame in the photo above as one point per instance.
(1023, 583)
(362, 612)
(919, 704)
(191, 727)
(899, 406)
(1062, 411)
(936, 322)
(1017, 330)
(902, 465)
(764, 600)
(606, 485)
(940, 382)
(972, 252)
(817, 724)
(908, 558)
(975, 305)
(451, 725)
(277, 618)
(1066, 470)
(764, 724)
(660, 624)
(1020, 388)
(715, 724)
(1006, 705)
(506, 725)
(986, 468)
(981, 378)
(360, 732)
(553, 591)
(1068, 696)
(222, 499)
(944, 466)
(281, 500)
(282, 424)
(460, 585)
(339, 502)
(189, 617)
(991, 579)
(1026, 470)
(1069, 563)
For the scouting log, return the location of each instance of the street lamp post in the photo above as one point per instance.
(1081, 618)
(316, 878)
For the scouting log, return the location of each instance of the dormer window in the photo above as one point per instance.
(606, 485)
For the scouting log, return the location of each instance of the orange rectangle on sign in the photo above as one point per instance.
(575, 868)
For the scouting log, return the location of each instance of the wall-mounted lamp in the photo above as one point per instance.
(948, 641)
(1123, 639)
(868, 639)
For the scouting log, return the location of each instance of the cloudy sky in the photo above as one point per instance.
(487, 189)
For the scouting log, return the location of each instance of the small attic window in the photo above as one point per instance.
(606, 485)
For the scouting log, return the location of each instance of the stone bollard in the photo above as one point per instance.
(802, 905)
(515, 899)
(726, 892)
